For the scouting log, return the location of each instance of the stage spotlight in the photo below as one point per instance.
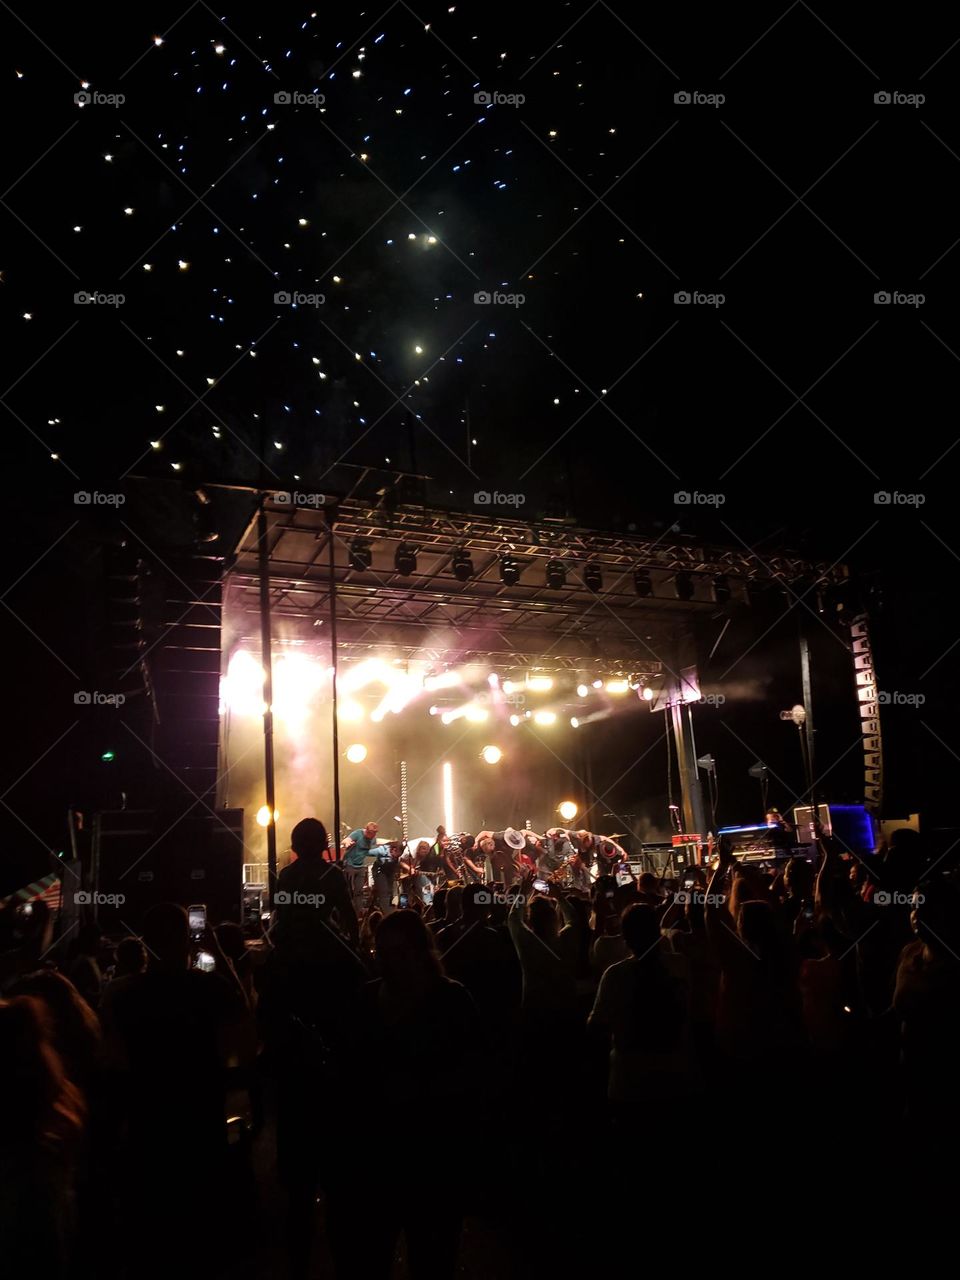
(574, 722)
(263, 816)
(361, 555)
(514, 720)
(567, 810)
(619, 685)
(509, 571)
(349, 711)
(598, 684)
(476, 715)
(582, 691)
(492, 755)
(405, 559)
(647, 694)
(642, 583)
(592, 577)
(462, 565)
(684, 583)
(443, 680)
(556, 575)
(545, 717)
(540, 684)
(511, 686)
(721, 588)
(357, 753)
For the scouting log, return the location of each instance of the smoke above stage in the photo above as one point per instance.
(482, 749)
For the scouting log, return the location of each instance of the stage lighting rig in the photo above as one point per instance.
(361, 554)
(405, 559)
(462, 565)
(556, 575)
(509, 571)
(684, 583)
(592, 577)
(642, 583)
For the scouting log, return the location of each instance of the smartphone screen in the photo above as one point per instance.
(541, 886)
(205, 962)
(404, 901)
(197, 917)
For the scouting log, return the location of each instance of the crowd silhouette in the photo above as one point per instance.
(507, 1082)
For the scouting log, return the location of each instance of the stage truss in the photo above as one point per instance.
(432, 615)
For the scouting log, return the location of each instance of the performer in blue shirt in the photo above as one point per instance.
(359, 845)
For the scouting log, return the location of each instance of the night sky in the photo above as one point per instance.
(784, 197)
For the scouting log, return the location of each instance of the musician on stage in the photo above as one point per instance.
(553, 852)
(417, 868)
(600, 853)
(385, 872)
(472, 871)
(358, 846)
(502, 853)
(445, 850)
(579, 873)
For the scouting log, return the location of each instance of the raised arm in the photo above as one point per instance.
(720, 926)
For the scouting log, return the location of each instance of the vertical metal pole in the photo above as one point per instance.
(807, 728)
(691, 795)
(334, 667)
(266, 659)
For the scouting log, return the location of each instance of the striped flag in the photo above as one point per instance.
(48, 888)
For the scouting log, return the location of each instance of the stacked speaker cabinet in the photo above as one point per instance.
(140, 859)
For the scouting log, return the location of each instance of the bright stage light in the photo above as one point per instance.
(582, 691)
(545, 717)
(349, 711)
(511, 686)
(539, 684)
(492, 755)
(477, 715)
(241, 689)
(514, 720)
(598, 684)
(296, 678)
(263, 816)
(448, 796)
(647, 694)
(567, 810)
(445, 680)
(367, 672)
(617, 686)
(574, 722)
(357, 753)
